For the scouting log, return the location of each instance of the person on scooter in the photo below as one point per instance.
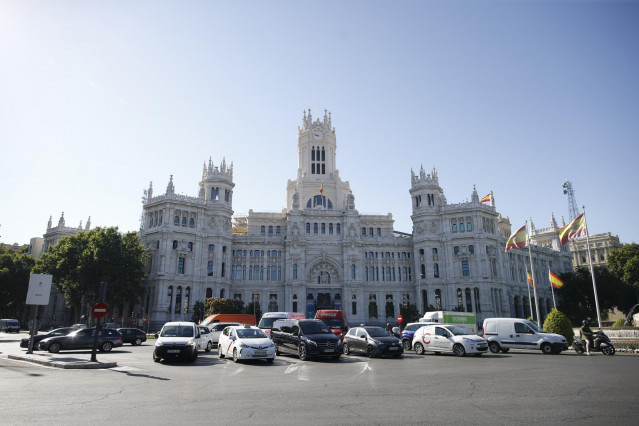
(586, 334)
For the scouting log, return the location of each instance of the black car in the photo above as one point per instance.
(24, 343)
(372, 341)
(305, 338)
(134, 336)
(83, 339)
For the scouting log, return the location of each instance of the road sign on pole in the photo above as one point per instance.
(399, 318)
(100, 310)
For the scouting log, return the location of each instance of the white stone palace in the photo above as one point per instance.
(320, 252)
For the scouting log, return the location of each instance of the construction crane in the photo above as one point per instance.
(573, 210)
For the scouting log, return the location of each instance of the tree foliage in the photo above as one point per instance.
(624, 264)
(15, 269)
(557, 322)
(576, 298)
(218, 305)
(409, 313)
(198, 312)
(80, 262)
(254, 309)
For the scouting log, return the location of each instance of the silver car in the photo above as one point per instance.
(216, 329)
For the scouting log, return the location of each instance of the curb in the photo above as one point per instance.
(82, 365)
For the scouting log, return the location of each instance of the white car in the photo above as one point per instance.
(217, 328)
(448, 338)
(204, 342)
(245, 342)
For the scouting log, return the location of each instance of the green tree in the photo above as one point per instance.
(80, 262)
(624, 264)
(409, 313)
(576, 298)
(198, 312)
(218, 305)
(557, 322)
(15, 269)
(254, 308)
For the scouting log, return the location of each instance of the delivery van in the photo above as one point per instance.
(268, 318)
(467, 320)
(239, 318)
(503, 334)
(335, 319)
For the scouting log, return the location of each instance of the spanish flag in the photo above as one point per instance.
(517, 239)
(530, 280)
(322, 188)
(554, 280)
(487, 198)
(575, 229)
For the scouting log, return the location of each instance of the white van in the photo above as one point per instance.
(177, 340)
(505, 333)
(448, 338)
(268, 318)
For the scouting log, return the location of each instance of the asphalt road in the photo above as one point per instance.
(515, 388)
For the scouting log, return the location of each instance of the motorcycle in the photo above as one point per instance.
(605, 345)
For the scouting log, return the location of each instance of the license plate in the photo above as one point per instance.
(259, 353)
(329, 350)
(393, 348)
(173, 351)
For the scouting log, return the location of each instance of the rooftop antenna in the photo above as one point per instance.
(573, 210)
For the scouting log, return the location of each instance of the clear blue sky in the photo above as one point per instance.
(99, 98)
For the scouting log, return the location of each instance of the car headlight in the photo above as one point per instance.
(310, 342)
(469, 341)
(377, 342)
(243, 345)
(159, 343)
(191, 342)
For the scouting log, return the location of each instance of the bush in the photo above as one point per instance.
(558, 323)
(619, 323)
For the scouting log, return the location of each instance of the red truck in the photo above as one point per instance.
(335, 319)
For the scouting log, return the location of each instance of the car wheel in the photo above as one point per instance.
(219, 352)
(546, 348)
(156, 358)
(277, 350)
(106, 347)
(494, 347)
(194, 357)
(371, 352)
(504, 350)
(235, 358)
(345, 349)
(302, 352)
(419, 349)
(54, 347)
(459, 350)
(406, 344)
(138, 342)
(209, 346)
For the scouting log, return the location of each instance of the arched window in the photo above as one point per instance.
(191, 222)
(270, 231)
(456, 250)
(469, 301)
(211, 247)
(438, 299)
(175, 244)
(169, 298)
(469, 226)
(337, 228)
(187, 299)
(471, 249)
(176, 220)
(295, 271)
(178, 300)
(222, 294)
(183, 220)
(477, 304)
(352, 271)
(190, 246)
(262, 230)
(436, 270)
(315, 228)
(209, 292)
(434, 251)
(330, 229)
(308, 228)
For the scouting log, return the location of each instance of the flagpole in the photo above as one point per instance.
(529, 298)
(532, 271)
(592, 271)
(552, 290)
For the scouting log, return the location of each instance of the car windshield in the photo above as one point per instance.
(177, 331)
(315, 328)
(534, 327)
(250, 333)
(332, 322)
(267, 322)
(457, 331)
(377, 332)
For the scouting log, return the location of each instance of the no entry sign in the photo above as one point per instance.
(99, 310)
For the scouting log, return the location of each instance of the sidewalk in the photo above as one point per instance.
(61, 361)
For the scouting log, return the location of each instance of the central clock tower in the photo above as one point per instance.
(317, 175)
